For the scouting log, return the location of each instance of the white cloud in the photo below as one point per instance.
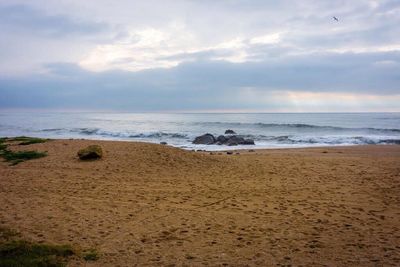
(155, 48)
(273, 38)
(137, 52)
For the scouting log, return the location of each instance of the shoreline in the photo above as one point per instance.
(149, 204)
(201, 149)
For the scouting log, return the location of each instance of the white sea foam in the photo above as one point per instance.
(267, 130)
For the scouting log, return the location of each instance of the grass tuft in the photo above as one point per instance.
(90, 255)
(15, 252)
(2, 146)
(26, 140)
(7, 234)
(23, 253)
(16, 157)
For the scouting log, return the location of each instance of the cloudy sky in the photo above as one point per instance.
(200, 55)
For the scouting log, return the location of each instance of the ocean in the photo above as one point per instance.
(269, 130)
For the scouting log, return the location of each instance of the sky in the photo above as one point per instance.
(200, 55)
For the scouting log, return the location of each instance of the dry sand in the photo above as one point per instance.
(153, 205)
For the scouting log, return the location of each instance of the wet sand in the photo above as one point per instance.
(153, 205)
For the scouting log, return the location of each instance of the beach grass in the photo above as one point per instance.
(16, 252)
(91, 255)
(26, 140)
(21, 253)
(7, 234)
(15, 157)
(2, 143)
(2, 146)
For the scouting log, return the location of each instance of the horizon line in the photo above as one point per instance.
(184, 111)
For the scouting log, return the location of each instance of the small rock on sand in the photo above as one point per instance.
(90, 152)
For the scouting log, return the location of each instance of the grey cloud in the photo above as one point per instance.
(35, 21)
(203, 84)
(356, 73)
(390, 5)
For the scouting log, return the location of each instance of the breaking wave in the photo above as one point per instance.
(100, 132)
(259, 138)
(296, 126)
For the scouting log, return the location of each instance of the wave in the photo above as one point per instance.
(52, 130)
(207, 126)
(290, 139)
(159, 135)
(294, 126)
(151, 135)
(333, 140)
(325, 140)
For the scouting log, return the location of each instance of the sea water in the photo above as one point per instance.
(268, 130)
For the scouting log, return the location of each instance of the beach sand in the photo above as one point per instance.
(153, 205)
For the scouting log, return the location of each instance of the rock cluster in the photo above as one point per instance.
(228, 140)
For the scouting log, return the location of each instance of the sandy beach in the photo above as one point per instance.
(153, 205)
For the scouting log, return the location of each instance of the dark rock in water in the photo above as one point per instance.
(234, 141)
(163, 143)
(205, 139)
(390, 141)
(230, 140)
(248, 142)
(90, 152)
(237, 140)
(221, 139)
(229, 131)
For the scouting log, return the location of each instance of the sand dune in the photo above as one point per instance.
(146, 204)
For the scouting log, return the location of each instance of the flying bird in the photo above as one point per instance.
(335, 18)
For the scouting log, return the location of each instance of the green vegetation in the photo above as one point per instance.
(23, 253)
(15, 157)
(15, 252)
(90, 255)
(26, 140)
(2, 144)
(20, 156)
(7, 234)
